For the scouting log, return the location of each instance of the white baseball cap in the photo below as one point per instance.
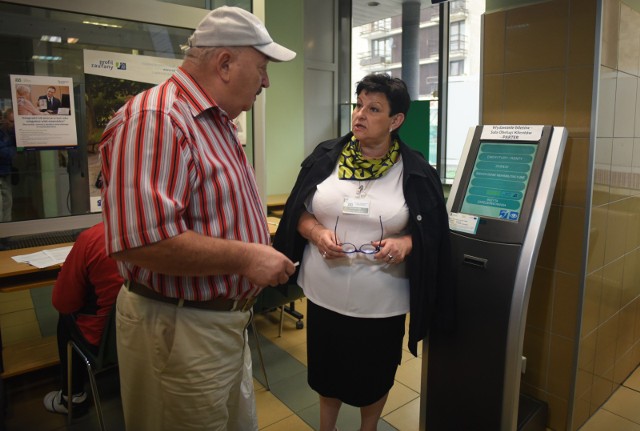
(233, 26)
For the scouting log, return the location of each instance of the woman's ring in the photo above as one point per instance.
(390, 257)
(324, 254)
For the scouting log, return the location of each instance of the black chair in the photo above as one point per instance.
(106, 359)
(283, 298)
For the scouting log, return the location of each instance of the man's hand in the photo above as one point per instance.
(266, 266)
(192, 254)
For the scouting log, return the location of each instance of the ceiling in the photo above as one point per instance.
(364, 14)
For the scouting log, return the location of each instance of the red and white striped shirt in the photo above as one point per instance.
(172, 162)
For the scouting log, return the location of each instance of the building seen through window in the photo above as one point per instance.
(377, 47)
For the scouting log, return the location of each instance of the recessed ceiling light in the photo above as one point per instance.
(47, 38)
(373, 3)
(46, 57)
(102, 24)
(58, 39)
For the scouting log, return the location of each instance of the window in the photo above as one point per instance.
(464, 66)
(457, 37)
(429, 43)
(464, 79)
(382, 25)
(429, 77)
(456, 68)
(381, 49)
(55, 182)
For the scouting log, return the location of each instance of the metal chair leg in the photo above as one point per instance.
(264, 370)
(69, 382)
(92, 381)
(96, 396)
(281, 321)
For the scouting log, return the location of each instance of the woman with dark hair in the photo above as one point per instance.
(367, 220)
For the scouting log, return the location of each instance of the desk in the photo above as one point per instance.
(275, 204)
(273, 223)
(32, 355)
(35, 354)
(16, 276)
(277, 200)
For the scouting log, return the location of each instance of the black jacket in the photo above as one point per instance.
(432, 291)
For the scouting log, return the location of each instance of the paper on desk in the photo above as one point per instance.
(45, 258)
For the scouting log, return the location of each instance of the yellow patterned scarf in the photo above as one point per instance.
(352, 166)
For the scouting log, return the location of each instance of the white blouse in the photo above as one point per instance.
(357, 285)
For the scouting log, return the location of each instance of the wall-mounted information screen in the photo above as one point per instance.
(499, 180)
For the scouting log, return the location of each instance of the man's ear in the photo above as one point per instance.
(222, 61)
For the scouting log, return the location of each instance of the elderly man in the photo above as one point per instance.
(185, 222)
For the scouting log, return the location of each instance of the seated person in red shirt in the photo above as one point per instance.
(84, 293)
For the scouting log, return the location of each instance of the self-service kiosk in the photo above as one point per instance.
(498, 207)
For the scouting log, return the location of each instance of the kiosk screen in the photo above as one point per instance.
(499, 180)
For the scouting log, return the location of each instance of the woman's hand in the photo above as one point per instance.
(394, 250)
(311, 229)
(327, 243)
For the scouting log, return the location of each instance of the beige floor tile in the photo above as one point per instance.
(270, 409)
(409, 373)
(267, 324)
(290, 337)
(625, 402)
(406, 418)
(292, 423)
(605, 420)
(257, 386)
(399, 396)
(633, 381)
(292, 340)
(406, 354)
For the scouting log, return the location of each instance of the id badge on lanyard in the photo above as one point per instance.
(356, 206)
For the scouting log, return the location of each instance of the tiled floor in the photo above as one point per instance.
(621, 412)
(290, 404)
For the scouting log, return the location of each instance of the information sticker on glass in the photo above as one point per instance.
(464, 223)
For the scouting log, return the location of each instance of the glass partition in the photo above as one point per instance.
(44, 46)
(378, 46)
(92, 64)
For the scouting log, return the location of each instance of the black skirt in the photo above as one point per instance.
(350, 358)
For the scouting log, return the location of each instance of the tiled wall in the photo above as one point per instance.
(583, 329)
(610, 331)
(539, 69)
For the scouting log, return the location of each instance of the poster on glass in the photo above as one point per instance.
(44, 111)
(112, 79)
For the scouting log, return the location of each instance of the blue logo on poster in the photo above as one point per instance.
(121, 65)
(504, 214)
(513, 215)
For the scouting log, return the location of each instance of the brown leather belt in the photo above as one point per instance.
(218, 304)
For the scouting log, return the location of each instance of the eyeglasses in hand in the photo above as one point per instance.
(348, 248)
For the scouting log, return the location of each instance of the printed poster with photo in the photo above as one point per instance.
(112, 79)
(44, 113)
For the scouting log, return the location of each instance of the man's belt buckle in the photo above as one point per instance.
(243, 304)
